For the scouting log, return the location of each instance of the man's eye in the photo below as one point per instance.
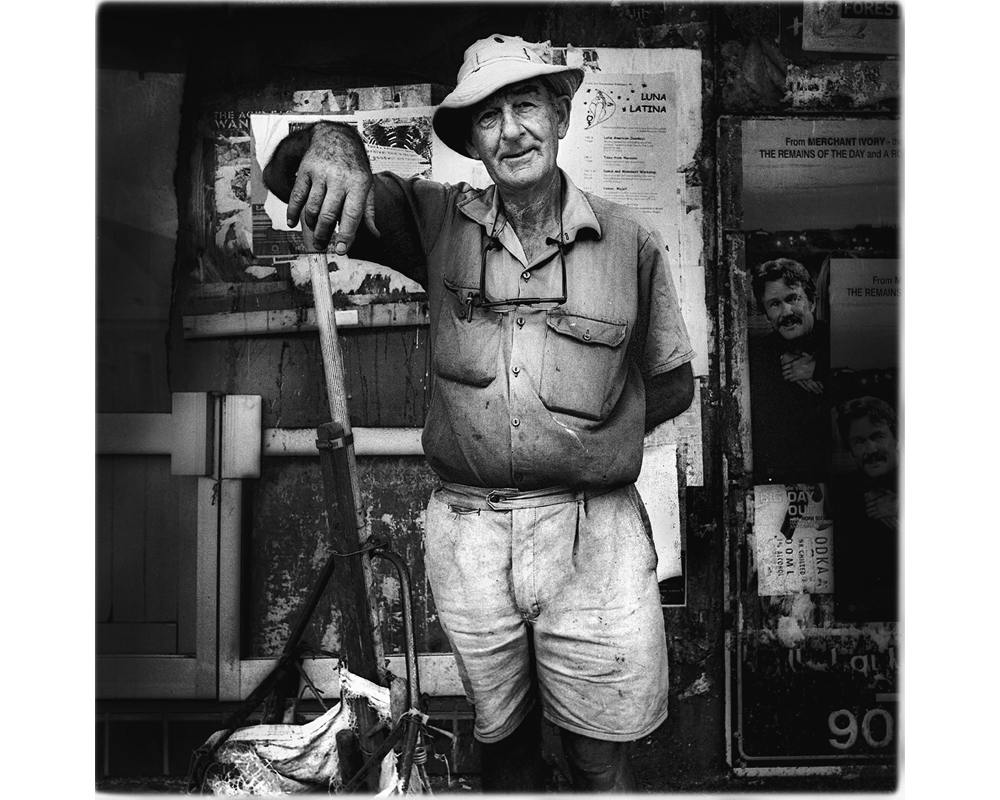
(486, 119)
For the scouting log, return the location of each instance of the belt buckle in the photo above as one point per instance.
(499, 495)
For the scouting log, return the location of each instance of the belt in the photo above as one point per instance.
(510, 499)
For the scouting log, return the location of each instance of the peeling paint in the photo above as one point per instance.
(321, 554)
(349, 281)
(791, 627)
(257, 271)
(703, 685)
(864, 84)
(331, 634)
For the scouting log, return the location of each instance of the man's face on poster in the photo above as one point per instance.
(788, 309)
(873, 447)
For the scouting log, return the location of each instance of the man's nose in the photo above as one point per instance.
(510, 126)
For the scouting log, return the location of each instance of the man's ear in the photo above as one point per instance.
(471, 151)
(563, 107)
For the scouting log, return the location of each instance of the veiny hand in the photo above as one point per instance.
(333, 185)
(882, 505)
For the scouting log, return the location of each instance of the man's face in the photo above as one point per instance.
(788, 309)
(873, 447)
(516, 133)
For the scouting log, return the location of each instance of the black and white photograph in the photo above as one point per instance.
(502, 398)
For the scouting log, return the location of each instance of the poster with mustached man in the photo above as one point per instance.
(865, 302)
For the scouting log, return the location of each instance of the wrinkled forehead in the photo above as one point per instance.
(530, 88)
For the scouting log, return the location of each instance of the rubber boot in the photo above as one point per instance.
(596, 765)
(514, 765)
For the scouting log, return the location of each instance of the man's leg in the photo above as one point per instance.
(596, 765)
(514, 764)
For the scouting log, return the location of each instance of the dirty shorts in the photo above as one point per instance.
(564, 592)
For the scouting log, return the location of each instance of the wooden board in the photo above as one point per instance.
(136, 638)
(386, 370)
(104, 538)
(187, 551)
(161, 556)
(128, 520)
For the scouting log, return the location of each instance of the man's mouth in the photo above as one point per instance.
(874, 460)
(788, 322)
(515, 156)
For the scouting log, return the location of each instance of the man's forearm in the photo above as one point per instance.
(668, 394)
(279, 174)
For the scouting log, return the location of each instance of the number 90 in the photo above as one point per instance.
(843, 723)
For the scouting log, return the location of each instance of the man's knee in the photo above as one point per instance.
(597, 765)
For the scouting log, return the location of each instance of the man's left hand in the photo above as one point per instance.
(883, 505)
(797, 366)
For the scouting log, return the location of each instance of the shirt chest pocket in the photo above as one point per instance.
(583, 365)
(466, 346)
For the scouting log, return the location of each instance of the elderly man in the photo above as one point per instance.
(556, 341)
(789, 378)
(865, 505)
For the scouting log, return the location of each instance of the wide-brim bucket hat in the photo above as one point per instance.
(491, 64)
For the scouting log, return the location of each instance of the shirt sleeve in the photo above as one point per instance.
(409, 215)
(667, 345)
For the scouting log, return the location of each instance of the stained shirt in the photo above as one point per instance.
(530, 397)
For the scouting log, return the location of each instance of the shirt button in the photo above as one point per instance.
(516, 370)
(520, 322)
(515, 422)
(525, 275)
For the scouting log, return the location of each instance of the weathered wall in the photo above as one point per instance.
(138, 123)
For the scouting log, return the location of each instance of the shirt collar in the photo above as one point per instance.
(483, 207)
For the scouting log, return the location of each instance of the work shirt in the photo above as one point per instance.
(528, 397)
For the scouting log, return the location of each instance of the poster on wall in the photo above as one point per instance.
(820, 174)
(622, 144)
(813, 219)
(865, 301)
(788, 344)
(853, 27)
(793, 540)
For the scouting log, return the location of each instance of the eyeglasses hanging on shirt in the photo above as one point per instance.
(483, 300)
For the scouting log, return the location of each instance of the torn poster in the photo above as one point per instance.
(398, 140)
(658, 488)
(793, 540)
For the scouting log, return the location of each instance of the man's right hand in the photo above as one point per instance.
(333, 184)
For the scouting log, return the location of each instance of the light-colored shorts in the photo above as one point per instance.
(566, 592)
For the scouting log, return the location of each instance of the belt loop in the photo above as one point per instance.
(497, 496)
